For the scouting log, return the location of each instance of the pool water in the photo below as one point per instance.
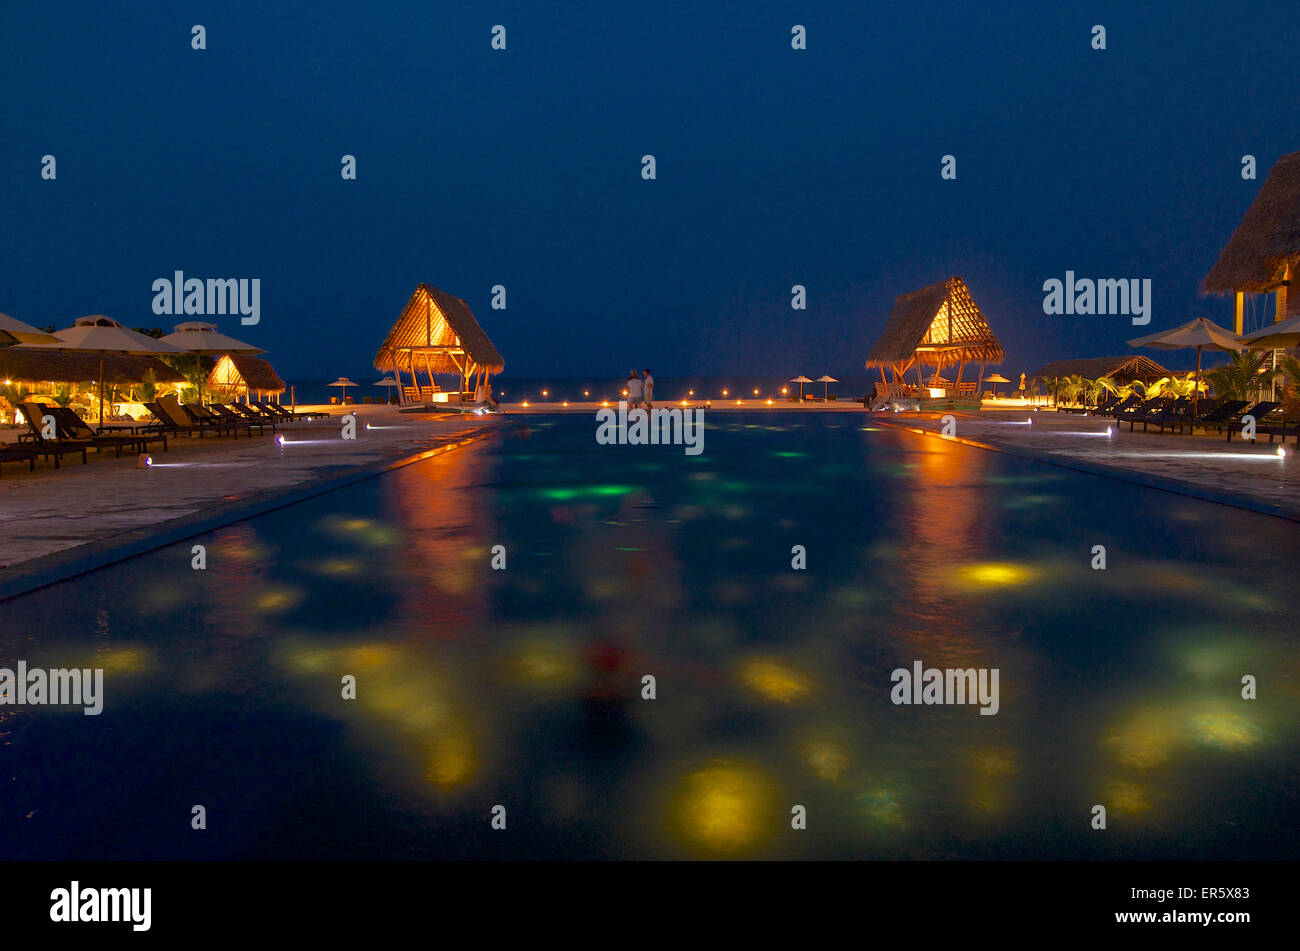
(522, 687)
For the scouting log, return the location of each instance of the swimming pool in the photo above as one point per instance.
(522, 687)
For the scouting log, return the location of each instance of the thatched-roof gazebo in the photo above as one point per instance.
(1263, 254)
(1123, 370)
(939, 325)
(437, 333)
(21, 365)
(239, 375)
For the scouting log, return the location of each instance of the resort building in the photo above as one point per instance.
(937, 326)
(1120, 370)
(437, 334)
(1263, 254)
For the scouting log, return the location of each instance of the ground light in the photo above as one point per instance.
(143, 461)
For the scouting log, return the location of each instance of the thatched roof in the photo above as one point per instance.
(1120, 369)
(22, 365)
(938, 325)
(239, 371)
(437, 327)
(1268, 237)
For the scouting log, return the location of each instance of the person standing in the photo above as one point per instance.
(648, 386)
(634, 390)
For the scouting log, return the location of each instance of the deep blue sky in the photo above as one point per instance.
(523, 168)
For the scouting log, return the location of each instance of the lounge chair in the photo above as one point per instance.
(231, 416)
(254, 416)
(284, 414)
(1260, 410)
(34, 414)
(260, 413)
(1121, 406)
(16, 452)
(1281, 429)
(218, 422)
(71, 425)
(1144, 412)
(174, 423)
(1176, 414)
(1214, 413)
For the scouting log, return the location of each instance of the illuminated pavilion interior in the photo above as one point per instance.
(939, 325)
(437, 334)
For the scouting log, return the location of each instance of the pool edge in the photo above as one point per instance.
(1160, 483)
(43, 571)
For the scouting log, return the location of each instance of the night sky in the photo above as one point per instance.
(523, 168)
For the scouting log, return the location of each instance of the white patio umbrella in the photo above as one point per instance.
(1278, 336)
(826, 382)
(14, 331)
(1199, 333)
(345, 383)
(100, 334)
(203, 340)
(801, 380)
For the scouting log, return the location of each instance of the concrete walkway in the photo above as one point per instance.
(1254, 477)
(53, 511)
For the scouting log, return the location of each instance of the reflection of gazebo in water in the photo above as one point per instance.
(937, 326)
(437, 334)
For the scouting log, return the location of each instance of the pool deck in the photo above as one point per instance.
(55, 523)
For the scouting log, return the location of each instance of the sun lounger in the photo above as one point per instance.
(260, 413)
(34, 414)
(1176, 414)
(231, 416)
(174, 422)
(1144, 412)
(1281, 429)
(1214, 414)
(284, 414)
(73, 426)
(217, 422)
(253, 416)
(18, 452)
(1122, 406)
(1260, 410)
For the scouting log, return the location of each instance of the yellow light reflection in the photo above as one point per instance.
(1145, 740)
(774, 681)
(726, 808)
(827, 758)
(997, 574)
(548, 664)
(1225, 731)
(1127, 797)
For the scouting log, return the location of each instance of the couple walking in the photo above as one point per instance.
(640, 390)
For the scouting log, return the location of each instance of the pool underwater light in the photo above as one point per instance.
(143, 461)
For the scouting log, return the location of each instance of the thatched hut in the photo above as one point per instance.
(939, 325)
(239, 376)
(1122, 370)
(21, 365)
(1263, 254)
(437, 333)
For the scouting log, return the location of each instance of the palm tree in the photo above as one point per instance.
(1244, 374)
(1070, 388)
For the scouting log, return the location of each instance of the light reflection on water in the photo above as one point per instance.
(524, 686)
